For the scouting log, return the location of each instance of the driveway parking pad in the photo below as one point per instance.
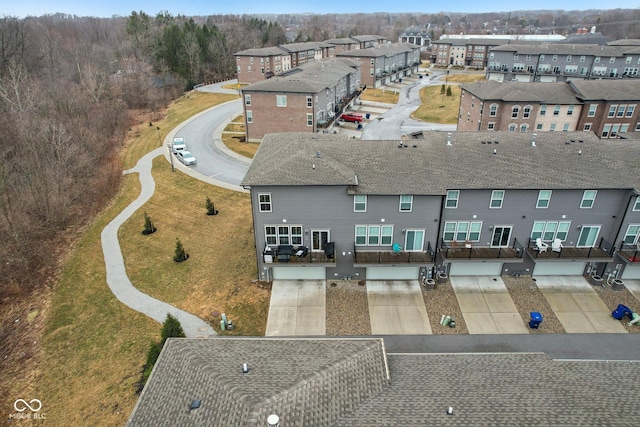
(298, 307)
(397, 307)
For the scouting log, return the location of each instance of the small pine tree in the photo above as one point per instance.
(211, 209)
(448, 90)
(442, 89)
(171, 328)
(148, 225)
(152, 356)
(180, 253)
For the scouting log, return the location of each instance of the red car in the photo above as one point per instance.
(352, 117)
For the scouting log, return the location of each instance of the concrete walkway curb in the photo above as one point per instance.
(117, 278)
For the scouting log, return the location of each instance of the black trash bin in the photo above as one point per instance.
(536, 319)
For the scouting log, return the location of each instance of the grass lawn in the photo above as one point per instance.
(380, 95)
(93, 347)
(234, 86)
(465, 78)
(436, 108)
(233, 139)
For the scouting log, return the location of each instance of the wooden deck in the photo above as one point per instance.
(569, 253)
(388, 257)
(480, 253)
(630, 256)
(311, 258)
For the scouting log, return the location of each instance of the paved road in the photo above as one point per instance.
(117, 278)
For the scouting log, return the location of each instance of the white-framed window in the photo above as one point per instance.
(493, 110)
(374, 235)
(270, 236)
(309, 119)
(539, 126)
(526, 113)
(583, 58)
(605, 131)
(462, 231)
(451, 202)
(512, 127)
(309, 101)
(552, 127)
(491, 125)
(597, 59)
(542, 57)
(565, 127)
(588, 199)
(621, 110)
(524, 127)
(544, 197)
(587, 126)
(624, 128)
(556, 110)
(413, 240)
(543, 109)
(514, 111)
(638, 127)
(247, 100)
(550, 230)
(570, 110)
(612, 110)
(281, 100)
(406, 203)
(264, 202)
(636, 206)
(614, 131)
(612, 60)
(592, 110)
(360, 203)
(249, 116)
(630, 110)
(631, 236)
(568, 58)
(283, 234)
(554, 58)
(497, 197)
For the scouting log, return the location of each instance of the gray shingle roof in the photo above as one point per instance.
(305, 381)
(543, 93)
(603, 90)
(432, 167)
(384, 50)
(562, 49)
(311, 77)
(263, 51)
(345, 382)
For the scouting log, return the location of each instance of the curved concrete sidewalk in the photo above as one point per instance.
(117, 278)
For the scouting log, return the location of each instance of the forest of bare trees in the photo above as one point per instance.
(68, 87)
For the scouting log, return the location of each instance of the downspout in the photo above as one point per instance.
(255, 236)
(624, 217)
(438, 234)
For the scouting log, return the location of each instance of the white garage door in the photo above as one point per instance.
(559, 268)
(631, 272)
(475, 269)
(392, 273)
(299, 273)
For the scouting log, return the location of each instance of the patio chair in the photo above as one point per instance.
(556, 245)
(541, 246)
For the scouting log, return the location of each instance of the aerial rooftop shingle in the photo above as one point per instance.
(474, 160)
(602, 90)
(547, 93)
(562, 49)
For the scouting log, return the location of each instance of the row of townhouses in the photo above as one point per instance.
(305, 99)
(609, 108)
(463, 203)
(254, 65)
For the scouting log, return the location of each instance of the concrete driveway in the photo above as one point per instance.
(634, 287)
(397, 308)
(486, 305)
(577, 306)
(297, 308)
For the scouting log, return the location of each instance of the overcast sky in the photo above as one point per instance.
(101, 8)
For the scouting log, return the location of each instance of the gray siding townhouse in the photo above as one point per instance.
(305, 99)
(417, 37)
(554, 62)
(467, 203)
(385, 64)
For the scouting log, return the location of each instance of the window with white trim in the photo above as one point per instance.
(638, 127)
(565, 127)
(570, 110)
(543, 109)
(462, 231)
(512, 127)
(451, 202)
(309, 119)
(309, 101)
(493, 110)
(588, 199)
(631, 236)
(249, 116)
(264, 202)
(526, 113)
(592, 110)
(612, 110)
(624, 128)
(491, 126)
(247, 100)
(636, 206)
(605, 131)
(406, 203)
(587, 126)
(514, 111)
(360, 203)
(614, 130)
(497, 197)
(270, 236)
(621, 111)
(281, 100)
(544, 197)
(550, 230)
(556, 110)
(287, 235)
(630, 110)
(552, 127)
(539, 126)
(374, 235)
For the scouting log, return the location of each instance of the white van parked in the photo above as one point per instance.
(178, 144)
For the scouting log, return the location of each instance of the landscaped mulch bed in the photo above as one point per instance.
(527, 298)
(612, 298)
(439, 301)
(347, 308)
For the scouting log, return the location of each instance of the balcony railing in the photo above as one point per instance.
(631, 253)
(290, 254)
(603, 249)
(470, 250)
(393, 257)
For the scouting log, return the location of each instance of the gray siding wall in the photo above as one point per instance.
(519, 211)
(331, 208)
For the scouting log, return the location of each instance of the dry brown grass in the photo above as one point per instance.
(388, 96)
(465, 78)
(436, 108)
(93, 346)
(234, 86)
(233, 137)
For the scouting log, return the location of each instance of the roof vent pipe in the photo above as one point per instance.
(533, 139)
(318, 154)
(245, 368)
(449, 138)
(273, 420)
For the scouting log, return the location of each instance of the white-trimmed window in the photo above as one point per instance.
(592, 110)
(462, 231)
(630, 110)
(497, 197)
(570, 110)
(374, 235)
(544, 197)
(539, 126)
(264, 201)
(587, 126)
(588, 199)
(543, 110)
(360, 203)
(605, 131)
(512, 127)
(309, 101)
(514, 111)
(249, 116)
(565, 127)
(621, 110)
(636, 206)
(406, 203)
(552, 127)
(526, 113)
(247, 100)
(556, 110)
(524, 127)
(451, 202)
(550, 230)
(631, 236)
(491, 126)
(624, 128)
(270, 236)
(287, 234)
(281, 100)
(612, 110)
(493, 110)
(309, 119)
